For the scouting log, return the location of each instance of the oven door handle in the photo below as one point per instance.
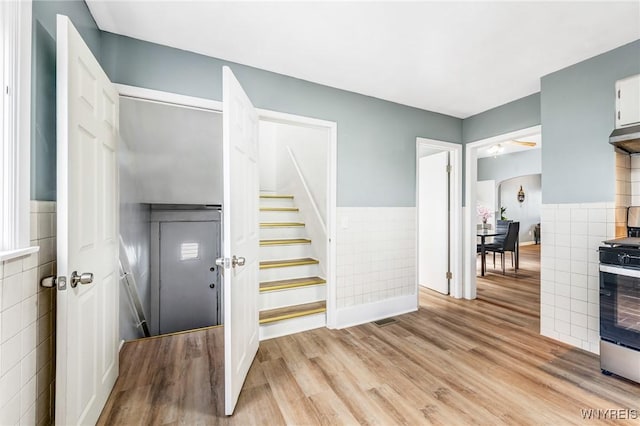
(605, 293)
(634, 273)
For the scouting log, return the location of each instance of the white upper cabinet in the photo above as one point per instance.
(628, 101)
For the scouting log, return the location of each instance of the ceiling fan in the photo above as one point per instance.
(498, 148)
(523, 143)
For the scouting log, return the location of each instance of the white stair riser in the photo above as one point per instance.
(288, 232)
(289, 272)
(277, 216)
(293, 251)
(276, 202)
(291, 326)
(292, 296)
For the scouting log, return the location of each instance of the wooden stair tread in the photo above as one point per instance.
(284, 241)
(271, 196)
(292, 283)
(296, 311)
(279, 209)
(280, 224)
(266, 264)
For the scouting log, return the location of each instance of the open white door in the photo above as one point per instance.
(87, 311)
(240, 236)
(433, 222)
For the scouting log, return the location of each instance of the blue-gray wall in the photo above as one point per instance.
(508, 166)
(578, 107)
(43, 83)
(376, 139)
(516, 115)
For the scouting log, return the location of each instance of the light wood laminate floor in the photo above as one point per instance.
(453, 362)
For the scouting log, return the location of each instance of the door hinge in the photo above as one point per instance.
(449, 168)
(449, 276)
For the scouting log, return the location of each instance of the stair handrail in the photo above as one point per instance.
(126, 275)
(306, 190)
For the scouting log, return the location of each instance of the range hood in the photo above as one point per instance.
(626, 139)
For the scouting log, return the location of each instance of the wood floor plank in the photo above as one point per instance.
(451, 362)
(294, 405)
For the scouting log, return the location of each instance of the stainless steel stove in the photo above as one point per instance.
(620, 302)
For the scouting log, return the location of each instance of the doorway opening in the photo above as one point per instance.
(297, 215)
(439, 215)
(479, 189)
(170, 226)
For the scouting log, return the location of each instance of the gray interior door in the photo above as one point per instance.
(188, 278)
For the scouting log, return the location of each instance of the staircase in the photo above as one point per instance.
(292, 293)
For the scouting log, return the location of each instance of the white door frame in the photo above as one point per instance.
(331, 256)
(455, 194)
(279, 117)
(471, 177)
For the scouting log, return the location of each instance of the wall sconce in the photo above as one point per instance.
(521, 195)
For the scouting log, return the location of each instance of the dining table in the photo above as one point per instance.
(483, 234)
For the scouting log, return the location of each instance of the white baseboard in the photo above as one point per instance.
(360, 314)
(527, 243)
(121, 345)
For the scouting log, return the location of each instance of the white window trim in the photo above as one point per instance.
(15, 113)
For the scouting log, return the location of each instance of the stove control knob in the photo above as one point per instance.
(623, 259)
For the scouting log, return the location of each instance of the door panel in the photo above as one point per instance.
(433, 222)
(240, 235)
(87, 222)
(187, 253)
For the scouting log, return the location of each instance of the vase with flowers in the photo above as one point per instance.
(484, 213)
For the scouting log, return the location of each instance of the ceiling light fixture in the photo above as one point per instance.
(496, 149)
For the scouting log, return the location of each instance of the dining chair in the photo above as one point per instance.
(508, 244)
(502, 226)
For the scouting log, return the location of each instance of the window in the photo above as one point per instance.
(15, 115)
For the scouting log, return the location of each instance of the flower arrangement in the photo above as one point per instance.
(484, 213)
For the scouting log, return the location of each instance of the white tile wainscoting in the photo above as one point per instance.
(27, 318)
(376, 263)
(569, 276)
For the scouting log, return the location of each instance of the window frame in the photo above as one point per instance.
(15, 128)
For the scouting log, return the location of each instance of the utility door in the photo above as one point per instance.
(87, 210)
(240, 235)
(433, 222)
(188, 277)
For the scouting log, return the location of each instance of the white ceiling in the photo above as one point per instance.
(456, 58)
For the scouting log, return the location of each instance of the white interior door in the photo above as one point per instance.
(240, 235)
(87, 312)
(433, 222)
